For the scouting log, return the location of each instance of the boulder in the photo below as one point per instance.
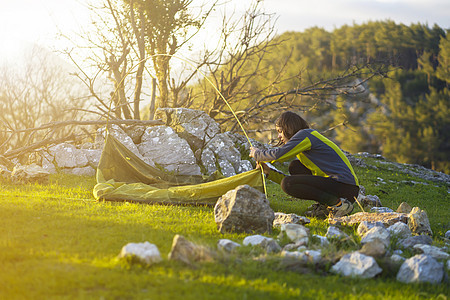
(356, 264)
(158, 146)
(188, 252)
(220, 152)
(244, 209)
(120, 135)
(29, 173)
(194, 126)
(145, 253)
(421, 268)
(418, 222)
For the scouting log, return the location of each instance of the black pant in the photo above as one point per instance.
(325, 190)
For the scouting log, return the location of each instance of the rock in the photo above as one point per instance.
(377, 233)
(432, 251)
(365, 226)
(311, 256)
(447, 234)
(421, 268)
(188, 252)
(404, 208)
(400, 230)
(93, 156)
(335, 233)
(120, 135)
(68, 156)
(297, 247)
(397, 258)
(29, 173)
(159, 141)
(375, 248)
(85, 171)
(381, 210)
(255, 240)
(418, 222)
(370, 201)
(323, 240)
(357, 265)
(243, 209)
(282, 218)
(416, 239)
(145, 253)
(387, 219)
(270, 246)
(227, 245)
(194, 126)
(295, 232)
(221, 151)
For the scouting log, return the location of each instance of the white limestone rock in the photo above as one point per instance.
(421, 268)
(356, 264)
(145, 252)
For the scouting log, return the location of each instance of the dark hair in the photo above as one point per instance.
(290, 123)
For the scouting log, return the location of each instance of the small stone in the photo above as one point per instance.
(282, 218)
(416, 239)
(254, 240)
(357, 265)
(271, 246)
(400, 229)
(432, 251)
(397, 258)
(335, 233)
(375, 248)
(365, 226)
(421, 268)
(323, 240)
(370, 201)
(227, 245)
(295, 233)
(377, 233)
(447, 234)
(144, 252)
(381, 210)
(188, 252)
(404, 208)
(418, 222)
(313, 256)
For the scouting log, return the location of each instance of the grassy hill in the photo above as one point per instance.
(56, 242)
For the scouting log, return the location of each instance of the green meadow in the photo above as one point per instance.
(57, 242)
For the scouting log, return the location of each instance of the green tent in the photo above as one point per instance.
(122, 176)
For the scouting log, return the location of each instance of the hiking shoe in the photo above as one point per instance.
(317, 210)
(341, 210)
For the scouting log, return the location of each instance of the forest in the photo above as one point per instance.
(403, 114)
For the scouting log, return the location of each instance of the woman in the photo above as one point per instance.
(321, 173)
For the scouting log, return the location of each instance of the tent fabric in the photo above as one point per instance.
(123, 176)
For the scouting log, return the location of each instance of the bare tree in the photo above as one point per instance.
(41, 91)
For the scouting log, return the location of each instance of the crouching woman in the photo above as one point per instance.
(321, 171)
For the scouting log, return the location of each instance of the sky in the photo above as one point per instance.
(24, 22)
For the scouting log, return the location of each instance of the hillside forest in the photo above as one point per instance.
(403, 115)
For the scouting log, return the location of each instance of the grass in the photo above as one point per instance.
(56, 242)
